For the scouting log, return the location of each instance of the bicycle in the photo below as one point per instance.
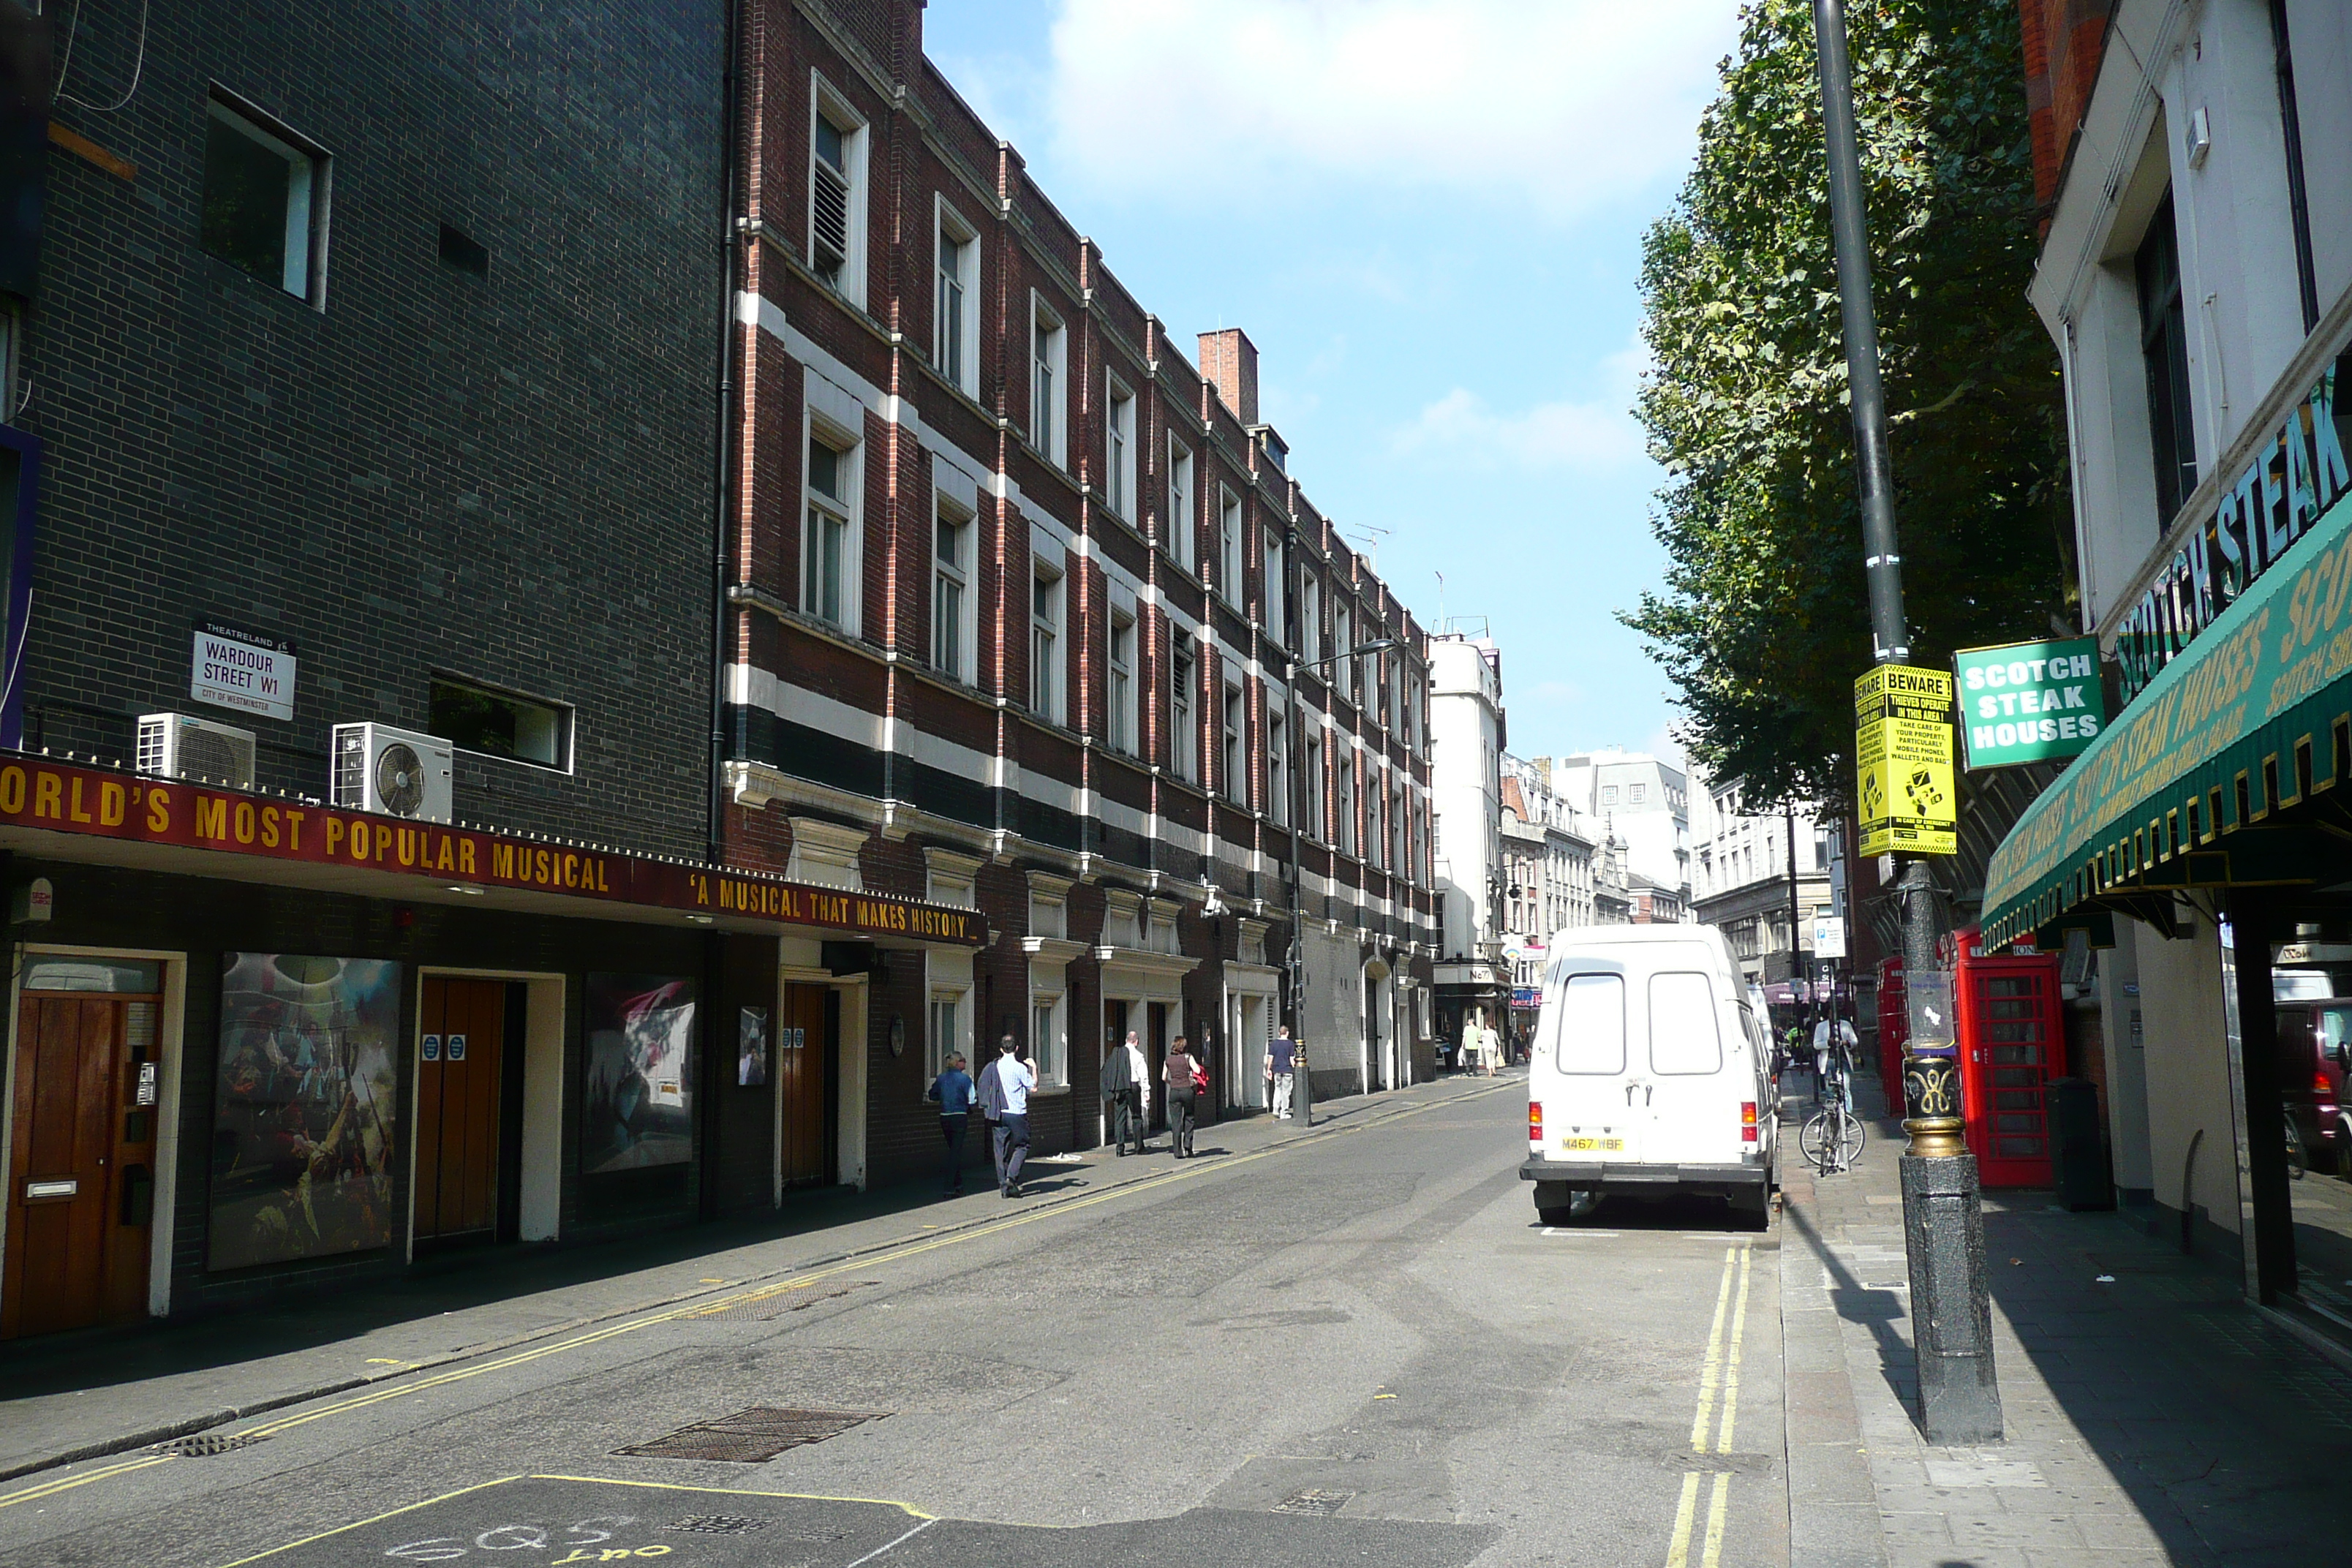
(1830, 1140)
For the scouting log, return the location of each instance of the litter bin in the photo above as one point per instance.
(2082, 1154)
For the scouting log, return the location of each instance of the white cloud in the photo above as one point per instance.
(1459, 426)
(1587, 433)
(1569, 103)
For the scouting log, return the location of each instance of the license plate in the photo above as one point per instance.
(1593, 1146)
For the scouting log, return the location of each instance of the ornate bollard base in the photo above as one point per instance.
(1951, 1308)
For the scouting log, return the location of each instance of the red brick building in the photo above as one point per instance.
(1013, 591)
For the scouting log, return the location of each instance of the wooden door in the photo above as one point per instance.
(461, 1061)
(802, 1084)
(81, 1178)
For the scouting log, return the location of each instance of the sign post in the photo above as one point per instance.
(1943, 1215)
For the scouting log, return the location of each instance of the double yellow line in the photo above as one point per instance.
(1718, 1411)
(402, 1386)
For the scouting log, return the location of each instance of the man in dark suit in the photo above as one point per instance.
(1125, 1082)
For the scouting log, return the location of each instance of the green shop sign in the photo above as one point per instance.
(2240, 724)
(2028, 701)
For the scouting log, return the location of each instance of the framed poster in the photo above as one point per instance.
(751, 1047)
(302, 1108)
(637, 1109)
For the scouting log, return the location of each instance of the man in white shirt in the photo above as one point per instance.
(1014, 1080)
(1843, 1033)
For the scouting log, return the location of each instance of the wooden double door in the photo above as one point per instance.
(81, 1178)
(468, 1166)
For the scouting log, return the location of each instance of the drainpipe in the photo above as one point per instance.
(722, 486)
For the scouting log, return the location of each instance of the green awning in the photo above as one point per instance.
(2254, 716)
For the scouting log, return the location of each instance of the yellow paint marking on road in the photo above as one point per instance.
(1716, 1508)
(1731, 1371)
(1712, 1368)
(68, 1483)
(1678, 1549)
(378, 1518)
(909, 1509)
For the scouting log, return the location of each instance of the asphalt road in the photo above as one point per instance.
(1359, 1348)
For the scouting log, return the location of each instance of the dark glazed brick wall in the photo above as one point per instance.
(507, 478)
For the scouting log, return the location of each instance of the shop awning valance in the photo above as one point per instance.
(2253, 717)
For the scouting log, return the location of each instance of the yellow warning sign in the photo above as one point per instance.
(1905, 797)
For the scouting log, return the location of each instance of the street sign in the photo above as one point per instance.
(1906, 799)
(2030, 701)
(1829, 936)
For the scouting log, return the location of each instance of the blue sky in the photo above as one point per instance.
(1427, 214)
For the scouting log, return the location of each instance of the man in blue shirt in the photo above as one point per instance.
(952, 1089)
(1281, 1069)
(1014, 1080)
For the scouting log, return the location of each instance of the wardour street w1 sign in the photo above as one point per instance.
(2028, 701)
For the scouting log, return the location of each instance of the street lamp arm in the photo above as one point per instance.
(1382, 646)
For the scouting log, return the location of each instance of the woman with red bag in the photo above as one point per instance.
(1186, 1078)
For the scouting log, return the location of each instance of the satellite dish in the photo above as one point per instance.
(400, 778)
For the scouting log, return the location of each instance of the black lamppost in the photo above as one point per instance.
(1303, 1084)
(1943, 1213)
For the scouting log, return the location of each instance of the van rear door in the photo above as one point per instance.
(1698, 1072)
(1589, 1114)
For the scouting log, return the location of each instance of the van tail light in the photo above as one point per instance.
(1534, 1121)
(1747, 1122)
(2321, 1087)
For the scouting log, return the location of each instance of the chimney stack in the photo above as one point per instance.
(1229, 362)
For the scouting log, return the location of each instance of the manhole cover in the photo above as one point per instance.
(717, 1524)
(1321, 1504)
(214, 1443)
(750, 1436)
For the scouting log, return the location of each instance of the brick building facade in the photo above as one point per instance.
(1014, 588)
(370, 374)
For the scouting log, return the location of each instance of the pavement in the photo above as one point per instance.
(2153, 1416)
(77, 1397)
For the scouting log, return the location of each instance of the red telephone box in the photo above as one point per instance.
(2012, 1039)
(1894, 1028)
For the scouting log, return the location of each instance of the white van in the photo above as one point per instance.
(1650, 1072)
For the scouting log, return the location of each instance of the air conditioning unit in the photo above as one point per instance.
(398, 772)
(182, 746)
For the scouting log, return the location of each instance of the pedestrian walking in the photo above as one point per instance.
(1127, 1091)
(1183, 1096)
(1281, 1073)
(1014, 1080)
(953, 1089)
(990, 1092)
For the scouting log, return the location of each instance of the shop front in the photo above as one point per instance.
(2214, 813)
(257, 1043)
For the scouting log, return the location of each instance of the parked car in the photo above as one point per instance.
(2314, 1040)
(1650, 1073)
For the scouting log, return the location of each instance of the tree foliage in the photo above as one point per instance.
(1765, 621)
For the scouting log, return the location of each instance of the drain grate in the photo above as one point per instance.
(750, 1436)
(717, 1524)
(205, 1448)
(1313, 1500)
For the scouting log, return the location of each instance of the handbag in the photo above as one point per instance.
(1199, 1079)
